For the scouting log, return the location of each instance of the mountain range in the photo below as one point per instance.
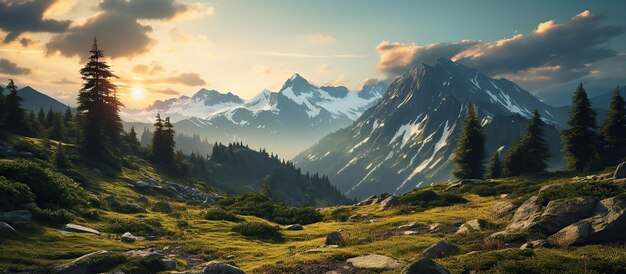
(33, 100)
(407, 139)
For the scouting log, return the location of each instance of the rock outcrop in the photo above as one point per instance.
(374, 261)
(425, 266)
(441, 249)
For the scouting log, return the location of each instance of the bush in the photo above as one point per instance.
(257, 229)
(253, 204)
(13, 194)
(28, 146)
(136, 226)
(340, 214)
(597, 190)
(51, 189)
(428, 198)
(125, 207)
(53, 217)
(483, 190)
(219, 214)
(296, 215)
(163, 207)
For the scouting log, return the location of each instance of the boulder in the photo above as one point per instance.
(503, 209)
(217, 267)
(81, 264)
(441, 249)
(439, 228)
(294, 227)
(608, 221)
(169, 264)
(128, 238)
(562, 212)
(408, 226)
(471, 226)
(79, 229)
(411, 232)
(16, 216)
(425, 266)
(389, 202)
(574, 234)
(534, 244)
(375, 261)
(141, 184)
(526, 216)
(142, 199)
(620, 171)
(6, 229)
(334, 238)
(368, 201)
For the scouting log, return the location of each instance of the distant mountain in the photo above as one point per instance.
(561, 95)
(602, 101)
(240, 169)
(284, 122)
(34, 100)
(406, 139)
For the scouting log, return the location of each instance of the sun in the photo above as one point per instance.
(137, 92)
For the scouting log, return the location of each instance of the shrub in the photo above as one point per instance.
(257, 229)
(483, 190)
(51, 189)
(13, 194)
(28, 146)
(136, 226)
(125, 207)
(296, 215)
(340, 214)
(162, 206)
(597, 190)
(218, 214)
(53, 217)
(253, 204)
(428, 198)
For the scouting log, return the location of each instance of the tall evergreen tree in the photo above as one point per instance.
(98, 106)
(67, 117)
(579, 142)
(13, 111)
(528, 155)
(157, 139)
(168, 141)
(57, 129)
(163, 141)
(2, 105)
(469, 154)
(131, 141)
(49, 118)
(41, 117)
(494, 168)
(612, 132)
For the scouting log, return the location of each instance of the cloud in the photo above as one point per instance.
(324, 68)
(341, 80)
(189, 79)
(119, 34)
(167, 91)
(551, 53)
(65, 81)
(148, 69)
(17, 17)
(320, 38)
(8, 67)
(262, 69)
(371, 81)
(145, 9)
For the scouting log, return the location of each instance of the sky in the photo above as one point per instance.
(161, 49)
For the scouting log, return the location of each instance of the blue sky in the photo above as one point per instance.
(175, 47)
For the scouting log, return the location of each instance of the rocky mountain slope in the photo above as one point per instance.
(407, 138)
(34, 100)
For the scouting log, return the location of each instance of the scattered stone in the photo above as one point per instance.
(503, 209)
(229, 257)
(26, 155)
(334, 238)
(425, 266)
(314, 250)
(141, 184)
(294, 227)
(110, 198)
(79, 229)
(620, 171)
(368, 201)
(151, 238)
(16, 216)
(6, 229)
(374, 221)
(128, 238)
(441, 249)
(462, 183)
(169, 264)
(471, 226)
(217, 267)
(80, 264)
(389, 202)
(142, 199)
(527, 215)
(439, 228)
(408, 226)
(191, 194)
(410, 232)
(534, 244)
(375, 261)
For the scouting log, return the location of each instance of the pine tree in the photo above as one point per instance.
(67, 117)
(131, 141)
(528, 155)
(57, 130)
(157, 139)
(494, 168)
(41, 117)
(98, 106)
(13, 111)
(169, 143)
(612, 133)
(265, 188)
(49, 118)
(2, 105)
(469, 154)
(579, 139)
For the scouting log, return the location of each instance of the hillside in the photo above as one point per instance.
(34, 100)
(167, 231)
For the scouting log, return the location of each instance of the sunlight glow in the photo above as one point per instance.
(137, 92)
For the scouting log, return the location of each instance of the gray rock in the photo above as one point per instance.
(410, 225)
(27, 155)
(6, 229)
(294, 227)
(375, 261)
(534, 244)
(229, 257)
(81, 264)
(368, 201)
(620, 171)
(471, 226)
(142, 199)
(334, 238)
(79, 229)
(128, 238)
(574, 234)
(16, 216)
(439, 228)
(110, 198)
(441, 249)
(425, 266)
(169, 264)
(410, 232)
(141, 184)
(527, 215)
(608, 221)
(389, 202)
(562, 212)
(217, 267)
(503, 209)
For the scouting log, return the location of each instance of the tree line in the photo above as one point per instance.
(587, 146)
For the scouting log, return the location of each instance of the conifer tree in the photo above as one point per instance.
(98, 106)
(528, 155)
(131, 141)
(168, 141)
(469, 154)
(612, 132)
(579, 142)
(67, 117)
(13, 111)
(494, 168)
(49, 118)
(2, 105)
(41, 117)
(60, 159)
(265, 188)
(57, 129)
(157, 139)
